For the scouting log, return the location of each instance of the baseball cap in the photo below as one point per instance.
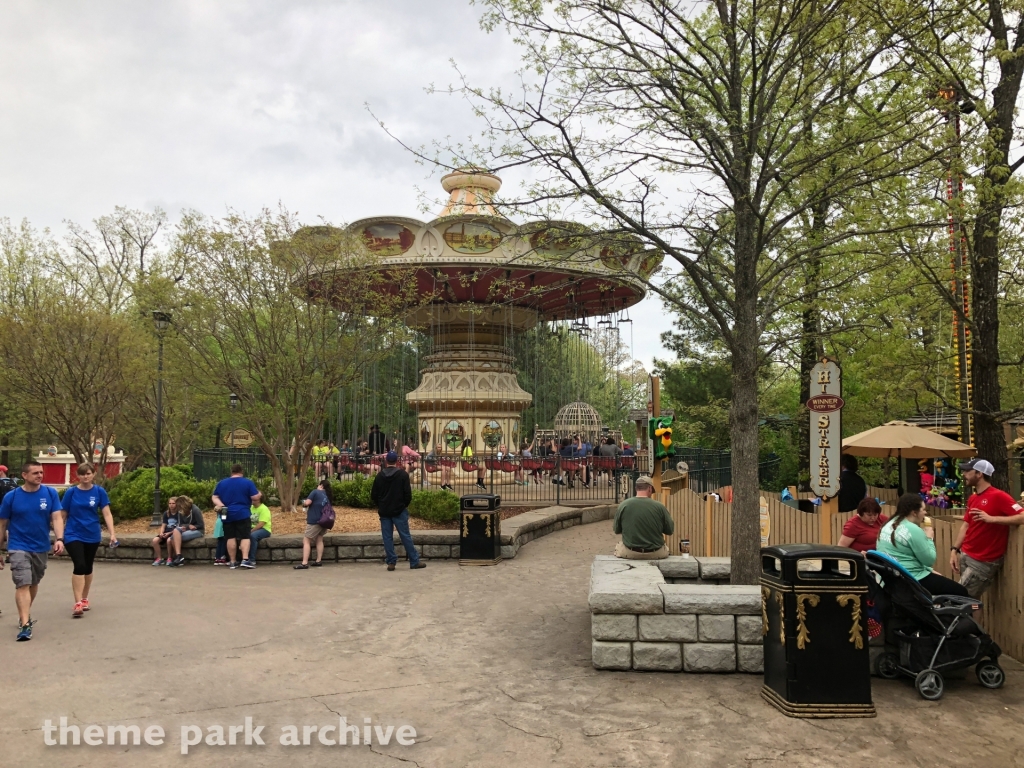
(644, 480)
(391, 457)
(979, 465)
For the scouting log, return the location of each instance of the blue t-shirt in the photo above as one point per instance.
(28, 516)
(83, 508)
(314, 510)
(236, 494)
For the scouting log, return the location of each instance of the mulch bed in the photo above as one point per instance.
(348, 520)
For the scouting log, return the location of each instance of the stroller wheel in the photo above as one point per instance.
(929, 684)
(886, 666)
(990, 674)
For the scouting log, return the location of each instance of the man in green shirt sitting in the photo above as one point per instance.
(643, 523)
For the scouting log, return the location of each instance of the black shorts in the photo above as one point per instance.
(238, 529)
(82, 554)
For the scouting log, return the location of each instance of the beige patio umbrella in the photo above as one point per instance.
(898, 439)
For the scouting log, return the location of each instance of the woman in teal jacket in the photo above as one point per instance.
(903, 539)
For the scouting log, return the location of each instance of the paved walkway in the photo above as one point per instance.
(491, 666)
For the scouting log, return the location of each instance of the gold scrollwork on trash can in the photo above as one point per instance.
(765, 594)
(465, 524)
(487, 525)
(856, 631)
(803, 637)
(779, 598)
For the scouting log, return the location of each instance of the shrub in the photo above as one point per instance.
(353, 493)
(132, 496)
(435, 506)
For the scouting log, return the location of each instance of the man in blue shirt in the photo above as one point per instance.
(26, 514)
(233, 498)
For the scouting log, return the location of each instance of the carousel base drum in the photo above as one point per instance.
(480, 530)
(814, 622)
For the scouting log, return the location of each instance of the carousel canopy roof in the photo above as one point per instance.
(472, 255)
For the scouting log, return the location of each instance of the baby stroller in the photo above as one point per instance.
(927, 634)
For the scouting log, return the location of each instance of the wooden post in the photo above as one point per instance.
(655, 411)
(827, 510)
(708, 518)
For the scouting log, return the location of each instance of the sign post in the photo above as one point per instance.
(825, 408)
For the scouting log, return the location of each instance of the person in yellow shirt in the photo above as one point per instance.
(261, 524)
(467, 457)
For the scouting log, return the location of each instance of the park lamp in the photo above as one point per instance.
(233, 401)
(161, 321)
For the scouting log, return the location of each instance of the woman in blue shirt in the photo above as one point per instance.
(83, 504)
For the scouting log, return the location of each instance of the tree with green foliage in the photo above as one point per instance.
(752, 102)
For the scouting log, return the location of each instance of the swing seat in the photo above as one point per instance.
(508, 465)
(604, 463)
(470, 466)
(549, 465)
(446, 463)
(571, 465)
(532, 465)
(431, 466)
(627, 462)
(492, 464)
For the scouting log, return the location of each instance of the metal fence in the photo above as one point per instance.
(216, 463)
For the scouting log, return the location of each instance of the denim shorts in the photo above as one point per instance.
(189, 535)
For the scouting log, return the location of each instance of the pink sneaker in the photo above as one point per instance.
(85, 603)
(78, 611)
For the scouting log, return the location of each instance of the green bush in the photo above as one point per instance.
(132, 496)
(353, 493)
(435, 506)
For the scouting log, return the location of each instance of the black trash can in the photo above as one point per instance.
(814, 622)
(480, 530)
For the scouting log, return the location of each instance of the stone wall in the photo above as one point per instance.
(367, 547)
(673, 615)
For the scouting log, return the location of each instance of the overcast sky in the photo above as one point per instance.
(217, 104)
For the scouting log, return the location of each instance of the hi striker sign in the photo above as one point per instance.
(825, 409)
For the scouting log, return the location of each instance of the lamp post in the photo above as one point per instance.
(161, 322)
(233, 404)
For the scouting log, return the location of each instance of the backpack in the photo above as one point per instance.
(326, 517)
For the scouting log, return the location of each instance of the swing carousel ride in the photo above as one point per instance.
(484, 282)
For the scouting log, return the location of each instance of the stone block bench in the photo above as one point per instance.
(367, 547)
(673, 615)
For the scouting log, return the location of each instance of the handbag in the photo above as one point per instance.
(326, 517)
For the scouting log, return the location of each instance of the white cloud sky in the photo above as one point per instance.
(217, 104)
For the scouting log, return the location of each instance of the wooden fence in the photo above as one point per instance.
(707, 525)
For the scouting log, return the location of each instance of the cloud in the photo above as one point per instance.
(211, 105)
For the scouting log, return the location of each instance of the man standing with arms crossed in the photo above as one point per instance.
(26, 514)
(392, 492)
(978, 550)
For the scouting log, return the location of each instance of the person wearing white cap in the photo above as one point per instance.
(978, 550)
(643, 523)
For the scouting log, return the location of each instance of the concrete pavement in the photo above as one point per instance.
(489, 665)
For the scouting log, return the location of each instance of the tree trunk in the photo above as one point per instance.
(986, 393)
(745, 540)
(811, 348)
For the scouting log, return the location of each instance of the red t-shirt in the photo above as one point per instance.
(987, 541)
(864, 536)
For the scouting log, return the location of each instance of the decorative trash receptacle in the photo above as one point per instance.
(814, 624)
(480, 530)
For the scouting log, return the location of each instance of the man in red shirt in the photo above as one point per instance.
(977, 553)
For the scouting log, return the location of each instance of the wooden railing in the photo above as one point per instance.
(706, 523)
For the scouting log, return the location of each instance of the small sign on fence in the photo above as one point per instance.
(825, 412)
(766, 522)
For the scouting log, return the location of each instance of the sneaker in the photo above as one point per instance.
(158, 561)
(248, 564)
(301, 567)
(25, 632)
(78, 611)
(221, 561)
(85, 603)
(317, 564)
(233, 565)
(391, 566)
(481, 486)
(418, 565)
(179, 560)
